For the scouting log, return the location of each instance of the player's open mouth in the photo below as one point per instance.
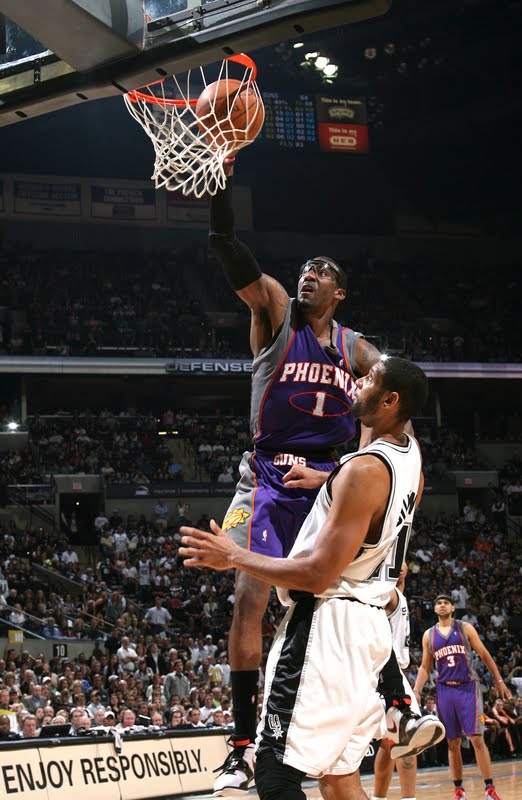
(307, 287)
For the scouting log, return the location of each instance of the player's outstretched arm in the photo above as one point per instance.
(359, 496)
(265, 296)
(485, 656)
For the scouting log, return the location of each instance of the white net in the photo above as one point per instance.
(190, 149)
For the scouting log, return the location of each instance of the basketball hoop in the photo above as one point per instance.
(190, 146)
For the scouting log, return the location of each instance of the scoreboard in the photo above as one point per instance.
(314, 122)
(290, 121)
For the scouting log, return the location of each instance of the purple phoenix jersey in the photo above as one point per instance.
(459, 700)
(302, 395)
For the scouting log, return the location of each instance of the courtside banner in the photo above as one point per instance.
(47, 198)
(342, 124)
(121, 203)
(146, 766)
(192, 211)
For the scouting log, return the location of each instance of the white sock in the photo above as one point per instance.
(409, 798)
(374, 797)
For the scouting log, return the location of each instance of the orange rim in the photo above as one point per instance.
(135, 95)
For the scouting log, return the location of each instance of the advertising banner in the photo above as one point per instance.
(48, 198)
(192, 211)
(342, 124)
(166, 489)
(122, 203)
(150, 766)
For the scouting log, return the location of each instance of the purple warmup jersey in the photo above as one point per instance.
(459, 699)
(302, 392)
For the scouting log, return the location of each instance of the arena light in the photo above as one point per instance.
(12, 426)
(321, 62)
(311, 56)
(297, 45)
(331, 70)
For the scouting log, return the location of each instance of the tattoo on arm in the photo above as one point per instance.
(366, 357)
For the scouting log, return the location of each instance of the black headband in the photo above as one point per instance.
(443, 597)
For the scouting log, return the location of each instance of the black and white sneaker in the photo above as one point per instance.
(236, 773)
(409, 734)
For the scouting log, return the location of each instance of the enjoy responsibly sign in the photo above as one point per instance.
(145, 767)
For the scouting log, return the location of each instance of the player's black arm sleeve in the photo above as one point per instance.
(239, 265)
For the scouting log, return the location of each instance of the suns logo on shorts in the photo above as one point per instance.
(234, 518)
(482, 719)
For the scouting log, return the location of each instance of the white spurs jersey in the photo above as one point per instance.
(400, 624)
(374, 572)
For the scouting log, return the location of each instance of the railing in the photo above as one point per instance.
(29, 494)
(26, 631)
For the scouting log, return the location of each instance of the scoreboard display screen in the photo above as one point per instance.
(314, 122)
(290, 121)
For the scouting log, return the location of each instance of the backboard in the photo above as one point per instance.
(65, 52)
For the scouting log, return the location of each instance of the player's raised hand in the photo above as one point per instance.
(202, 549)
(299, 477)
(228, 164)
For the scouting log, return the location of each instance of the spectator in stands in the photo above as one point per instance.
(109, 718)
(28, 727)
(176, 719)
(127, 656)
(160, 514)
(176, 682)
(120, 542)
(156, 661)
(498, 618)
(35, 699)
(69, 558)
(95, 705)
(17, 616)
(75, 720)
(115, 607)
(51, 630)
(516, 681)
(507, 724)
(194, 718)
(156, 720)
(98, 717)
(145, 576)
(158, 617)
(101, 521)
(224, 667)
(128, 720)
(183, 510)
(5, 728)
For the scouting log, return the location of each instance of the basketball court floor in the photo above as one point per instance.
(436, 784)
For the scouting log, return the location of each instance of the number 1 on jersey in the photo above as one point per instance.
(320, 397)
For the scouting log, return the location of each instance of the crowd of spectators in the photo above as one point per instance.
(155, 633)
(93, 304)
(128, 447)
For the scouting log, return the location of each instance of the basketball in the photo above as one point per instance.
(230, 111)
